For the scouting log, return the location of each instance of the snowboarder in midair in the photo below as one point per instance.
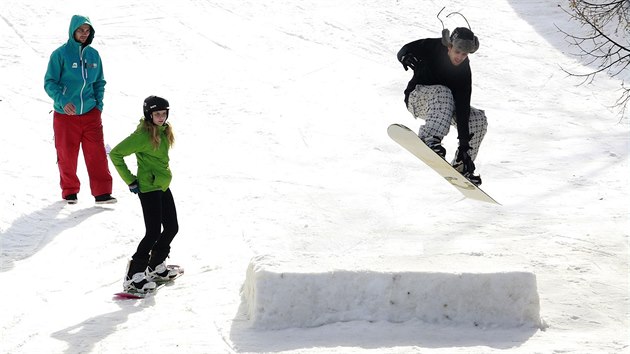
(439, 93)
(150, 143)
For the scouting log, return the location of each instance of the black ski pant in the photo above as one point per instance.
(160, 220)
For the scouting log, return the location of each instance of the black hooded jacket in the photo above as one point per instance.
(435, 68)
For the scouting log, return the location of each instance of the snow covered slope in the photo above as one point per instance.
(280, 110)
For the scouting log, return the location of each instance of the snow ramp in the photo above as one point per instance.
(311, 290)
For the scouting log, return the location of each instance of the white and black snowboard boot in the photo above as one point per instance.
(139, 283)
(163, 273)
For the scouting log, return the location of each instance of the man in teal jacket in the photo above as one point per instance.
(74, 80)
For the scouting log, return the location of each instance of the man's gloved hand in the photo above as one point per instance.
(133, 187)
(409, 61)
(464, 157)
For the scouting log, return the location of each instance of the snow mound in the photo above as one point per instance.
(310, 291)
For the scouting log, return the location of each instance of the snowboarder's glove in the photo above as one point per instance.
(464, 157)
(133, 187)
(409, 61)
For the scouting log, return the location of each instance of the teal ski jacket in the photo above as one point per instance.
(75, 73)
(154, 172)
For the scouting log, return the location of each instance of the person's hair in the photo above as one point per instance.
(154, 133)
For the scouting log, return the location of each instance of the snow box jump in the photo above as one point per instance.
(306, 291)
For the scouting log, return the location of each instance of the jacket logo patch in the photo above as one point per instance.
(75, 65)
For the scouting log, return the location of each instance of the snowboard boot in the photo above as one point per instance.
(163, 273)
(474, 179)
(435, 144)
(138, 283)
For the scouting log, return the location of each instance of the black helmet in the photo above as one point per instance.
(152, 104)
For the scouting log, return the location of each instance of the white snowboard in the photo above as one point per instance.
(410, 141)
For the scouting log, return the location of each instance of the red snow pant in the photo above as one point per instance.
(86, 131)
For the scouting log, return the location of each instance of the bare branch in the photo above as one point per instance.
(600, 46)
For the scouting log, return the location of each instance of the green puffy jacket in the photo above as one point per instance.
(153, 170)
(75, 73)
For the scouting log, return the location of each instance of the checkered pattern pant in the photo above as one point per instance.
(435, 105)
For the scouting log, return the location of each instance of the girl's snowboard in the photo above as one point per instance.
(137, 295)
(410, 141)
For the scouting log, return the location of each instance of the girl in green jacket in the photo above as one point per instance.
(150, 143)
